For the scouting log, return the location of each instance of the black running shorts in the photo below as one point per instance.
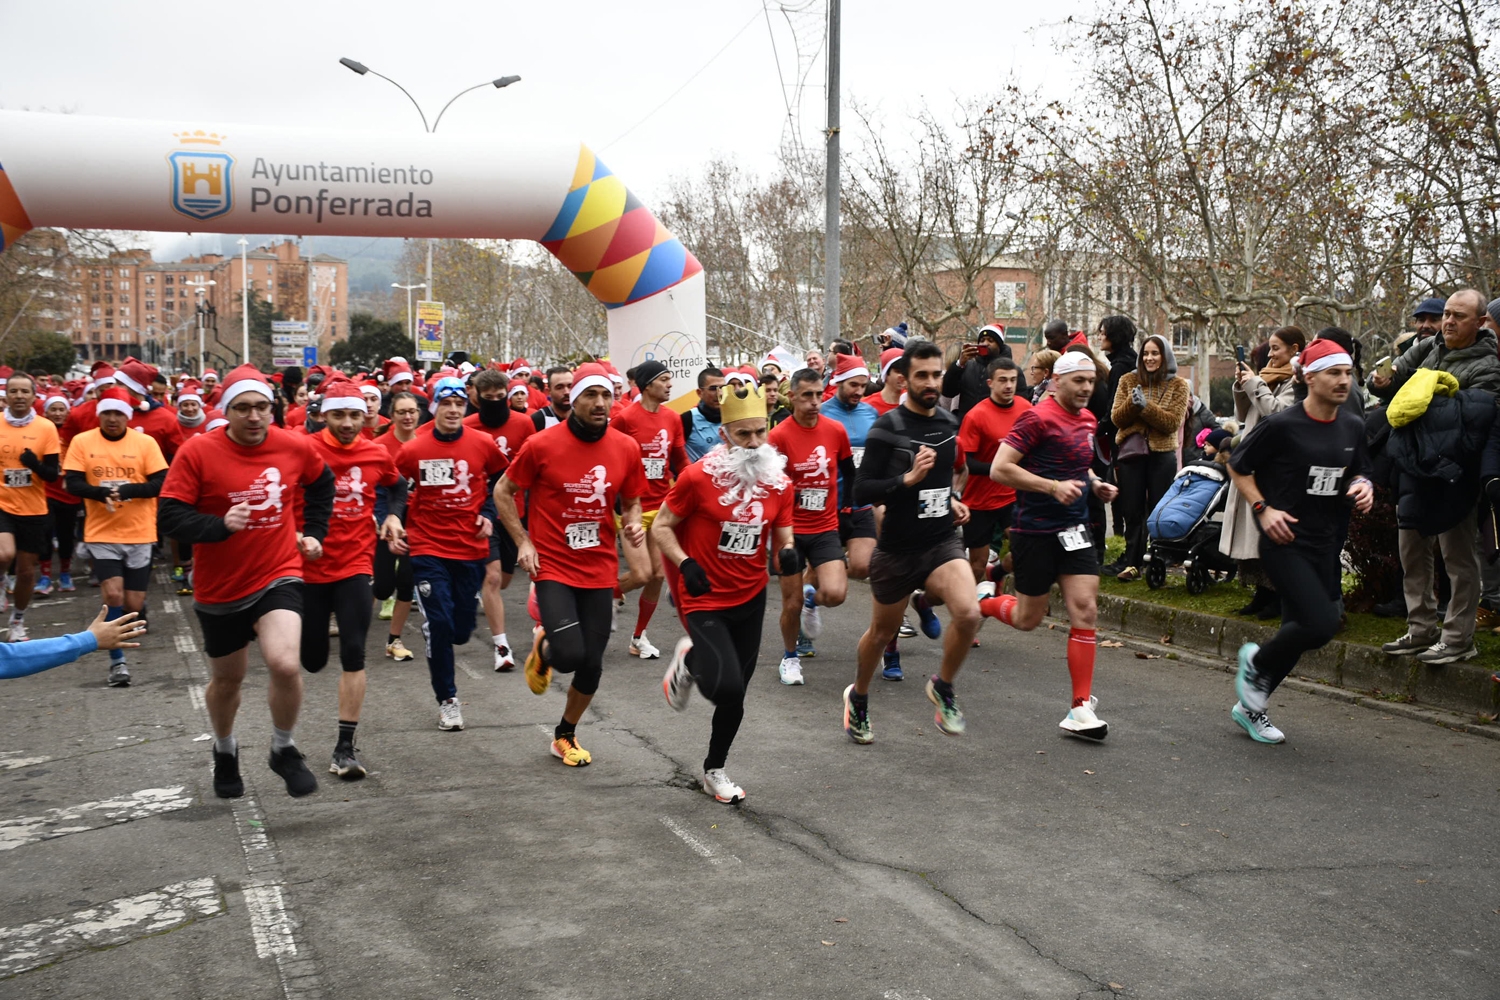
(1040, 559)
(225, 634)
(894, 575)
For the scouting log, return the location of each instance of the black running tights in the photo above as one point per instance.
(722, 660)
(348, 601)
(577, 623)
(1309, 586)
(392, 574)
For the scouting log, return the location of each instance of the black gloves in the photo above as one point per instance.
(790, 561)
(694, 577)
(28, 458)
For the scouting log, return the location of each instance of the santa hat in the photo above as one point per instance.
(587, 376)
(737, 376)
(54, 397)
(246, 378)
(888, 357)
(520, 366)
(397, 370)
(137, 376)
(1321, 354)
(500, 366)
(518, 388)
(342, 394)
(190, 389)
(102, 373)
(215, 421)
(846, 366)
(209, 373)
(115, 400)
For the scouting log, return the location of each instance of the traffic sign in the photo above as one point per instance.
(309, 357)
(285, 361)
(291, 339)
(290, 326)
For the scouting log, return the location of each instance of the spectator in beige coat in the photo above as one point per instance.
(1150, 402)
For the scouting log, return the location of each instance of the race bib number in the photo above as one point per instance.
(739, 539)
(1323, 480)
(17, 478)
(859, 456)
(656, 468)
(435, 471)
(582, 534)
(811, 499)
(933, 503)
(1075, 538)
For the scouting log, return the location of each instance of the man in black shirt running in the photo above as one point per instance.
(1300, 470)
(911, 455)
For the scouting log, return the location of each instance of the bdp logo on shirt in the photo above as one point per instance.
(1323, 480)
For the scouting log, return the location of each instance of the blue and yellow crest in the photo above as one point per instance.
(201, 184)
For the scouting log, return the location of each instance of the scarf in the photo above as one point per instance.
(19, 421)
(583, 432)
(189, 422)
(1274, 375)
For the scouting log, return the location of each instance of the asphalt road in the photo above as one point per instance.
(1178, 859)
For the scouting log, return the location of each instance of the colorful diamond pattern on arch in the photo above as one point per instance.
(14, 222)
(611, 242)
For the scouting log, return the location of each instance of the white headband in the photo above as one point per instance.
(851, 373)
(1327, 361)
(1073, 361)
(589, 381)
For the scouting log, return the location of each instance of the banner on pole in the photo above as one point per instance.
(429, 331)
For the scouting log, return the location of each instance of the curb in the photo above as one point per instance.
(1342, 670)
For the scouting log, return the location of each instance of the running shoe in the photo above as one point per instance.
(812, 617)
(805, 647)
(1082, 722)
(183, 591)
(1257, 724)
(1410, 644)
(791, 671)
(450, 716)
(227, 781)
(18, 631)
(65, 583)
(43, 587)
(345, 763)
(677, 682)
(906, 631)
(178, 576)
(641, 646)
(985, 589)
(1440, 652)
(567, 750)
(892, 671)
(949, 718)
(538, 676)
(505, 660)
(717, 784)
(119, 675)
(857, 720)
(931, 627)
(396, 650)
(290, 764)
(387, 609)
(333, 627)
(1247, 682)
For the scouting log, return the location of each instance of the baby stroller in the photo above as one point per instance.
(1184, 528)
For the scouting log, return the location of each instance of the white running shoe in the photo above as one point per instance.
(984, 590)
(1082, 722)
(18, 631)
(812, 615)
(791, 671)
(449, 716)
(505, 660)
(641, 646)
(717, 784)
(677, 684)
(614, 614)
(1257, 724)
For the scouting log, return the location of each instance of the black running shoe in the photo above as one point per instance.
(346, 763)
(227, 781)
(293, 770)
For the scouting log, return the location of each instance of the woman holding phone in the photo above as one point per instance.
(1257, 396)
(1149, 407)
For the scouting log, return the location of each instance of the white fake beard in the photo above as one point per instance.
(745, 473)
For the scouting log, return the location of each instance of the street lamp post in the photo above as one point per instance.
(411, 320)
(244, 300)
(498, 83)
(200, 287)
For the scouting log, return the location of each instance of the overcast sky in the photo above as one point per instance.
(590, 70)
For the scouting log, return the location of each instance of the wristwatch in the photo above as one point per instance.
(1258, 506)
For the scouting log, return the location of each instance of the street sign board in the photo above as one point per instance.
(309, 357)
(291, 339)
(285, 361)
(290, 326)
(429, 331)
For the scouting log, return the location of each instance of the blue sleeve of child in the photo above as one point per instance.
(18, 659)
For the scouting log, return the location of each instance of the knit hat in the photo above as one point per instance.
(847, 366)
(115, 400)
(1217, 437)
(245, 378)
(898, 335)
(587, 376)
(342, 394)
(1494, 311)
(649, 371)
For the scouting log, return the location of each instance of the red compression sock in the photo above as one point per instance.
(1081, 650)
(643, 617)
(1002, 607)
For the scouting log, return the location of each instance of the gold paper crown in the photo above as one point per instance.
(737, 404)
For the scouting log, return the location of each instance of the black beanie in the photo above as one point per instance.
(649, 371)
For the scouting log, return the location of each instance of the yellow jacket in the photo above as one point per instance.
(1413, 398)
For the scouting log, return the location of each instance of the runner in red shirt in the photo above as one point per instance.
(228, 492)
(817, 452)
(990, 503)
(150, 416)
(393, 585)
(575, 472)
(448, 536)
(892, 382)
(658, 431)
(712, 531)
(338, 584)
(510, 430)
(192, 420)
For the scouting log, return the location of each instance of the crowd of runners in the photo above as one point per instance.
(295, 509)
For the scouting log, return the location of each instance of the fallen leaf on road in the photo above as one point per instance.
(1166, 640)
(841, 920)
(1147, 656)
(828, 943)
(1176, 758)
(1423, 881)
(1116, 986)
(1088, 772)
(1041, 751)
(1184, 824)
(1111, 644)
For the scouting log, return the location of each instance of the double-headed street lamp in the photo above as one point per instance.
(497, 83)
(411, 320)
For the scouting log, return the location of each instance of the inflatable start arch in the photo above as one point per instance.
(72, 171)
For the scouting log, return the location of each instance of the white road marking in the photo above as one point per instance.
(893, 995)
(12, 759)
(171, 606)
(195, 695)
(697, 846)
(116, 922)
(54, 823)
(269, 922)
(185, 643)
(468, 670)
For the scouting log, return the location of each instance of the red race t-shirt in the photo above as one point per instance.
(729, 540)
(574, 485)
(349, 549)
(509, 437)
(812, 462)
(161, 423)
(450, 485)
(213, 473)
(877, 401)
(662, 447)
(984, 427)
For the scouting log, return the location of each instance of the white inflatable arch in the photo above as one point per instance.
(73, 171)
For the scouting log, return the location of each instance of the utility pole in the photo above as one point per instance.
(831, 267)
